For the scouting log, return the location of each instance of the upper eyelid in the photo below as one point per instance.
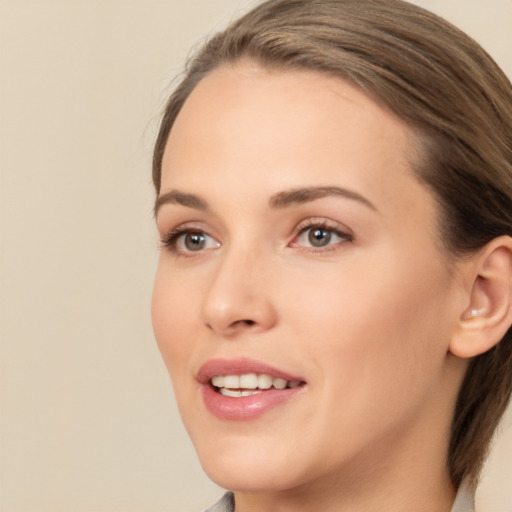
(172, 215)
(186, 227)
(190, 225)
(183, 228)
(324, 222)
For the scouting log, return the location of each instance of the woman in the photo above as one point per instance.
(332, 300)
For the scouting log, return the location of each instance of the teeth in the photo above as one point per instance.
(235, 393)
(249, 384)
(249, 381)
(279, 383)
(218, 381)
(232, 381)
(230, 392)
(249, 392)
(264, 381)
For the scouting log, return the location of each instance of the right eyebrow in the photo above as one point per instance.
(181, 198)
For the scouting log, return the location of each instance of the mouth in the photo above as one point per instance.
(248, 384)
(244, 389)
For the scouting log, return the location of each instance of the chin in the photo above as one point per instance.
(244, 480)
(248, 477)
(247, 464)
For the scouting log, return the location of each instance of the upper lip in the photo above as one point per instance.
(241, 366)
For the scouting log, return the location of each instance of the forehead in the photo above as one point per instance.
(246, 128)
(243, 108)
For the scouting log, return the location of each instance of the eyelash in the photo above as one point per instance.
(171, 239)
(323, 225)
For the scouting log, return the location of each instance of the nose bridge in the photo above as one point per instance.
(238, 296)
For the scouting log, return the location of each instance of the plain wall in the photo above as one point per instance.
(87, 418)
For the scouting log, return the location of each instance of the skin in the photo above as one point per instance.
(366, 320)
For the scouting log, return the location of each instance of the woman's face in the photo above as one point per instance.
(300, 251)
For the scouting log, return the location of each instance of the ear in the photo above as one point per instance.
(488, 314)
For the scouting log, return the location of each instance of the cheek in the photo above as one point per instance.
(174, 321)
(378, 333)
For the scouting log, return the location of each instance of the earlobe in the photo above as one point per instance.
(488, 315)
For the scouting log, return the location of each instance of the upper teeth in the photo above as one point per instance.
(252, 381)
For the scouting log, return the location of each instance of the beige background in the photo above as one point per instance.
(87, 421)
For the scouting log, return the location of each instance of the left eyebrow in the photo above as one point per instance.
(305, 195)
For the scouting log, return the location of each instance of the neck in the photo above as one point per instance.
(382, 494)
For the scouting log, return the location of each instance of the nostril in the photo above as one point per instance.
(238, 324)
(241, 324)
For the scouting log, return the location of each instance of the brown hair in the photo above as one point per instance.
(450, 91)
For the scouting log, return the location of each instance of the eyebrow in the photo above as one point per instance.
(305, 195)
(181, 198)
(283, 199)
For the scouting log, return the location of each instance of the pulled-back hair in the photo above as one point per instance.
(450, 92)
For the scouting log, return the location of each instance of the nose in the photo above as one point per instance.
(238, 298)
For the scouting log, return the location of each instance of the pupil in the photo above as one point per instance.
(194, 241)
(319, 237)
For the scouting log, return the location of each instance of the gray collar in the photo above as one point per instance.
(465, 499)
(225, 504)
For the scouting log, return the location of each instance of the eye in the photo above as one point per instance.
(319, 236)
(182, 240)
(194, 241)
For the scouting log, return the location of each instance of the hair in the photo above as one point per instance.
(450, 92)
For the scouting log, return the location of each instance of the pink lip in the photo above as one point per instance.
(248, 407)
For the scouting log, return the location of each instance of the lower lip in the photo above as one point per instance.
(245, 407)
